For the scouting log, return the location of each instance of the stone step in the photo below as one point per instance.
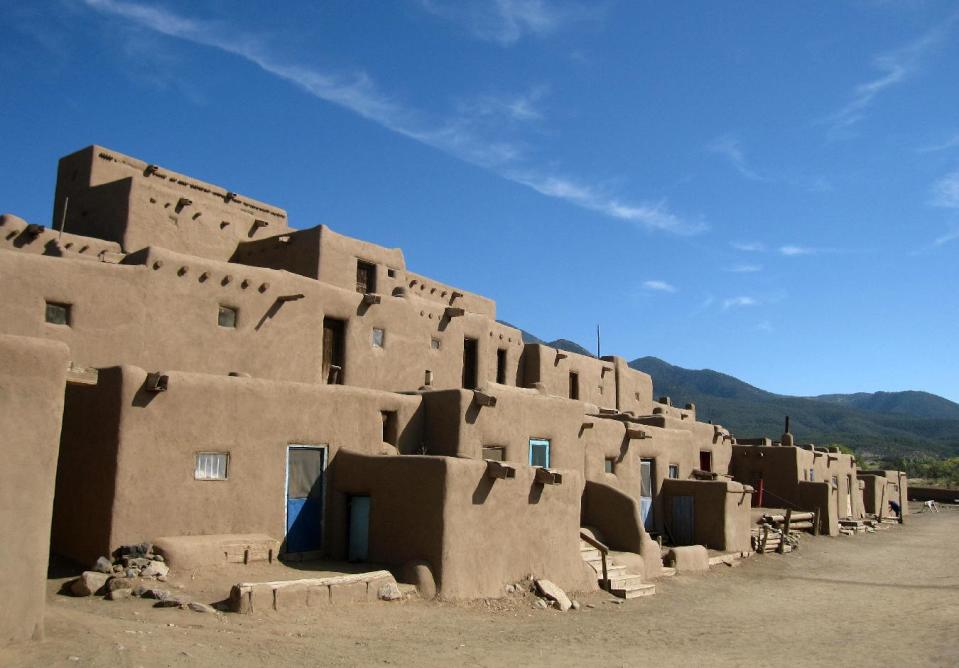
(667, 571)
(637, 592)
(591, 554)
(628, 581)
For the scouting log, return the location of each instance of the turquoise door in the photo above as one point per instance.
(305, 466)
(539, 452)
(359, 537)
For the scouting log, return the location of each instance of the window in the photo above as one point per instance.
(226, 316)
(835, 482)
(812, 475)
(389, 427)
(539, 452)
(365, 277)
(674, 471)
(646, 477)
(391, 273)
(435, 344)
(58, 314)
(573, 385)
(705, 460)
(211, 465)
(501, 366)
(378, 337)
(497, 453)
(610, 465)
(470, 361)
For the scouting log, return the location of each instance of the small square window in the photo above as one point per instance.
(539, 452)
(497, 453)
(610, 465)
(391, 273)
(435, 344)
(226, 317)
(211, 465)
(58, 314)
(674, 471)
(378, 337)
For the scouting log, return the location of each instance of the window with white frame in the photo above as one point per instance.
(211, 465)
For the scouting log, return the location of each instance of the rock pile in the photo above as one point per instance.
(130, 575)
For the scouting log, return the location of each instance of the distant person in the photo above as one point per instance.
(895, 508)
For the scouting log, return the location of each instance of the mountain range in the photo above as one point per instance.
(877, 424)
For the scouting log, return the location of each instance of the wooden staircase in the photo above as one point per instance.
(612, 577)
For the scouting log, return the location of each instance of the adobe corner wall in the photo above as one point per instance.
(32, 378)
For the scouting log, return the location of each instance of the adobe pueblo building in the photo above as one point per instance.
(202, 376)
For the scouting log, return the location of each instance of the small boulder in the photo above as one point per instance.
(554, 593)
(575, 605)
(136, 562)
(172, 602)
(155, 569)
(389, 592)
(103, 565)
(119, 594)
(201, 607)
(157, 557)
(89, 583)
(541, 604)
(150, 592)
(119, 583)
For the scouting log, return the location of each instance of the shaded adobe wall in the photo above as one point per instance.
(251, 419)
(32, 377)
(777, 468)
(615, 514)
(16, 234)
(721, 512)
(634, 389)
(118, 198)
(819, 497)
(552, 367)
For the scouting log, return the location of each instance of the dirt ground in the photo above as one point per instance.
(890, 598)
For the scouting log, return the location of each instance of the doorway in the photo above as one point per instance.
(647, 471)
(359, 529)
(334, 354)
(705, 460)
(305, 470)
(470, 359)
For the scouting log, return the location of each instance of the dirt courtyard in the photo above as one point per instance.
(890, 598)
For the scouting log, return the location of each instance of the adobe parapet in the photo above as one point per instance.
(104, 194)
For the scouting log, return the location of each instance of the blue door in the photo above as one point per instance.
(646, 473)
(305, 467)
(539, 452)
(359, 537)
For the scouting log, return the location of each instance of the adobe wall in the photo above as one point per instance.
(162, 314)
(461, 427)
(121, 199)
(828, 465)
(703, 437)
(447, 512)
(32, 378)
(820, 497)
(634, 389)
(721, 512)
(19, 235)
(551, 367)
(777, 467)
(157, 436)
(896, 489)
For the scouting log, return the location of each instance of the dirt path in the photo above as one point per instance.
(890, 598)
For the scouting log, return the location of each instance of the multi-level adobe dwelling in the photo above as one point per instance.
(233, 380)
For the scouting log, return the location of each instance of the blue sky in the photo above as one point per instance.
(765, 189)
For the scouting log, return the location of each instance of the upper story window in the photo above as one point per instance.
(226, 316)
(610, 465)
(574, 385)
(58, 313)
(674, 471)
(539, 452)
(497, 453)
(365, 277)
(378, 337)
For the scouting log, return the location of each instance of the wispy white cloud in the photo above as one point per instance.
(764, 326)
(749, 246)
(950, 143)
(659, 286)
(519, 108)
(894, 67)
(506, 21)
(739, 302)
(458, 136)
(654, 216)
(731, 148)
(951, 235)
(745, 268)
(797, 250)
(945, 191)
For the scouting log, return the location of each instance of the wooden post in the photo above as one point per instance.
(882, 500)
(782, 543)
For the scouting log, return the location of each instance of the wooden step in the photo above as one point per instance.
(637, 592)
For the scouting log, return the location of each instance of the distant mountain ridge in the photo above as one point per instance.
(879, 423)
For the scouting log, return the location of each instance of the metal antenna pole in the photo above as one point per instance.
(63, 218)
(598, 354)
